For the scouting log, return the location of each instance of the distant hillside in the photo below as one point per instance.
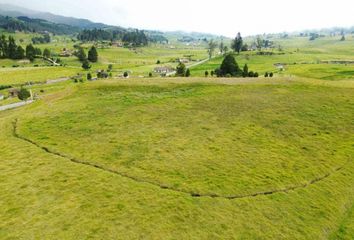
(27, 24)
(15, 11)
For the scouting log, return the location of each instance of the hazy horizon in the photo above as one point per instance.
(224, 18)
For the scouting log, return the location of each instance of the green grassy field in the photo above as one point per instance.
(180, 159)
(300, 57)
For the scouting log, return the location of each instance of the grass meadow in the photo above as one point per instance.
(220, 137)
(181, 158)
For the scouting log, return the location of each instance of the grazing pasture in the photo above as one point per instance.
(177, 157)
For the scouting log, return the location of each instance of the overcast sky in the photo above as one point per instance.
(224, 17)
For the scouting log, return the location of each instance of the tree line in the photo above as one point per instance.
(136, 38)
(10, 50)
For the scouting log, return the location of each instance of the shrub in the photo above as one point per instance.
(266, 74)
(229, 66)
(256, 75)
(181, 70)
(206, 73)
(89, 76)
(188, 73)
(251, 74)
(271, 74)
(24, 94)
(150, 74)
(126, 74)
(5, 87)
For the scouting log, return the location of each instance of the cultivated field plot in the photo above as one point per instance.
(147, 159)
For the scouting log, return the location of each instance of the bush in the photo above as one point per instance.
(150, 74)
(229, 66)
(158, 62)
(102, 74)
(5, 87)
(181, 70)
(206, 73)
(271, 74)
(24, 94)
(251, 74)
(86, 65)
(89, 76)
(126, 74)
(256, 75)
(188, 73)
(212, 73)
(266, 74)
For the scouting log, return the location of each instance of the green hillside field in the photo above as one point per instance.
(180, 158)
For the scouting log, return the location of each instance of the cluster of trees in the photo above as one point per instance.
(40, 40)
(230, 68)
(96, 35)
(237, 43)
(92, 56)
(9, 48)
(32, 52)
(136, 38)
(237, 46)
(182, 70)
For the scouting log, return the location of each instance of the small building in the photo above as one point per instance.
(164, 70)
(66, 53)
(14, 92)
(117, 44)
(184, 60)
(2, 97)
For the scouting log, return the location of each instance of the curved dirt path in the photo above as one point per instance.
(165, 187)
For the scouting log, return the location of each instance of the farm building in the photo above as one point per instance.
(14, 92)
(66, 53)
(184, 60)
(164, 70)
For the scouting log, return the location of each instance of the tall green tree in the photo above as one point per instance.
(237, 43)
(12, 48)
(221, 47)
(47, 53)
(80, 54)
(93, 55)
(3, 47)
(20, 53)
(259, 43)
(211, 48)
(229, 66)
(245, 71)
(30, 52)
(181, 70)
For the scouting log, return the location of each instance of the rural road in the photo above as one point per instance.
(15, 105)
(192, 65)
